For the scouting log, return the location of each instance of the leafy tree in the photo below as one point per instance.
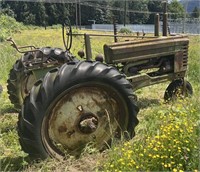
(48, 14)
(51, 11)
(108, 15)
(177, 9)
(7, 11)
(118, 15)
(103, 15)
(154, 6)
(88, 13)
(72, 13)
(139, 18)
(196, 13)
(38, 9)
(25, 15)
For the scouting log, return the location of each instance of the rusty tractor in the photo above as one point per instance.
(68, 103)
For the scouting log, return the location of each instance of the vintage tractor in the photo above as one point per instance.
(68, 103)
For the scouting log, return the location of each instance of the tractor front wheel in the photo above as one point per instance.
(77, 104)
(178, 89)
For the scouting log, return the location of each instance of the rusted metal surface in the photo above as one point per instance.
(165, 24)
(157, 25)
(144, 80)
(20, 49)
(115, 30)
(140, 50)
(88, 123)
(88, 48)
(109, 35)
(165, 19)
(85, 114)
(27, 84)
(167, 56)
(178, 62)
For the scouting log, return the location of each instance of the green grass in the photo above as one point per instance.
(167, 140)
(162, 126)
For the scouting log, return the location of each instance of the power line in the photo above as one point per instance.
(72, 1)
(116, 8)
(90, 4)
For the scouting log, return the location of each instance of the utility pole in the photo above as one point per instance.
(165, 18)
(76, 14)
(79, 14)
(125, 8)
(184, 20)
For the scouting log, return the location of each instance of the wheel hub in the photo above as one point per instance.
(88, 123)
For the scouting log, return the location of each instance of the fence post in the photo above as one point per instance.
(165, 24)
(115, 29)
(157, 24)
(165, 19)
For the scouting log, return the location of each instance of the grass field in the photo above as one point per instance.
(167, 138)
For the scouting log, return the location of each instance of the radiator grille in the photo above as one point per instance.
(185, 57)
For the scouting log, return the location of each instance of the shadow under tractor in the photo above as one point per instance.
(66, 103)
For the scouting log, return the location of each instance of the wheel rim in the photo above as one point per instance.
(27, 84)
(83, 114)
(178, 93)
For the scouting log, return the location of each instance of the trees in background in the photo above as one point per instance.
(196, 13)
(154, 6)
(176, 9)
(139, 6)
(134, 12)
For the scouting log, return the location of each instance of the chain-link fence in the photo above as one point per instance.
(189, 26)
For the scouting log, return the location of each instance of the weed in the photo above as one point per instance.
(173, 145)
(125, 31)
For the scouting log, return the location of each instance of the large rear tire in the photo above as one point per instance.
(74, 105)
(19, 82)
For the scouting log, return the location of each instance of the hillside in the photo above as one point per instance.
(191, 4)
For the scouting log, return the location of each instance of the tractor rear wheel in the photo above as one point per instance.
(74, 105)
(178, 89)
(19, 82)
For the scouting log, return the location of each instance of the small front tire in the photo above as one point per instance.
(178, 89)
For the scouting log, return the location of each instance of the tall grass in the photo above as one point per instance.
(8, 26)
(194, 62)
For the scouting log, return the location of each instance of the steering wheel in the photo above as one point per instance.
(67, 34)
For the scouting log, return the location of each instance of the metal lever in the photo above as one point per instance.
(14, 45)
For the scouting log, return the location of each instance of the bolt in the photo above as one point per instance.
(80, 108)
